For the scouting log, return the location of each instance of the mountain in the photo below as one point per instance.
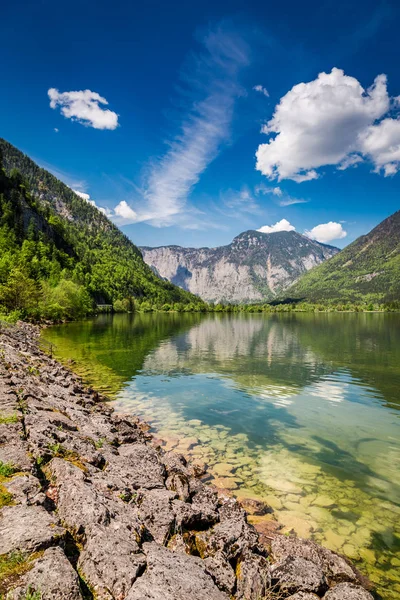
(50, 237)
(254, 267)
(367, 270)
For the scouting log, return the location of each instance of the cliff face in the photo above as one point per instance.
(254, 267)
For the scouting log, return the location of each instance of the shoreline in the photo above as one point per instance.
(90, 499)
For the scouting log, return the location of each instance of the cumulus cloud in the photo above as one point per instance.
(264, 189)
(125, 212)
(282, 225)
(331, 120)
(326, 232)
(261, 89)
(84, 106)
(85, 196)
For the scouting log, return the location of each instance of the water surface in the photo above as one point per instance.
(301, 410)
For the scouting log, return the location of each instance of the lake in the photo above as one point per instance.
(300, 410)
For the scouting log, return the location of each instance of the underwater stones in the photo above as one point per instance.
(174, 576)
(225, 483)
(27, 528)
(52, 576)
(294, 574)
(347, 591)
(223, 470)
(295, 521)
(255, 507)
(333, 540)
(324, 501)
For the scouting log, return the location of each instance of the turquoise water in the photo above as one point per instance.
(301, 410)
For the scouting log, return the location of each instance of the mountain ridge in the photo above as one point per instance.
(254, 267)
(367, 269)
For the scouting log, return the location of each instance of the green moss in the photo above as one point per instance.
(6, 499)
(12, 566)
(8, 419)
(6, 469)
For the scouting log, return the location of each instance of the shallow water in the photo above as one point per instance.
(302, 410)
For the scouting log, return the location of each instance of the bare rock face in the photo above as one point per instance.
(52, 576)
(347, 591)
(253, 577)
(221, 571)
(174, 576)
(28, 528)
(296, 574)
(254, 267)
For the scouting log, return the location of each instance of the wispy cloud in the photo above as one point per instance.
(210, 89)
(285, 199)
(261, 90)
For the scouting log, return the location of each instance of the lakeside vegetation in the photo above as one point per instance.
(60, 256)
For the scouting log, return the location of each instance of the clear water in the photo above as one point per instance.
(301, 410)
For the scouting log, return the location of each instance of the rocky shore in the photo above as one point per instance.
(92, 508)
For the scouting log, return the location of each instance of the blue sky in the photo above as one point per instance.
(207, 131)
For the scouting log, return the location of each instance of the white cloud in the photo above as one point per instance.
(84, 106)
(211, 87)
(289, 201)
(263, 189)
(285, 200)
(84, 196)
(240, 201)
(330, 121)
(282, 225)
(126, 213)
(261, 89)
(326, 232)
(56, 130)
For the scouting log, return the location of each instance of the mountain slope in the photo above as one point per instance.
(368, 269)
(50, 234)
(254, 267)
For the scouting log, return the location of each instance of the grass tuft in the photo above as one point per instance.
(6, 469)
(8, 419)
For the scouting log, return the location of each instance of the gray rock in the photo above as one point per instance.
(111, 561)
(13, 449)
(156, 512)
(347, 591)
(52, 576)
(303, 596)
(295, 574)
(253, 577)
(137, 466)
(79, 505)
(28, 528)
(221, 571)
(174, 576)
(335, 567)
(233, 536)
(26, 489)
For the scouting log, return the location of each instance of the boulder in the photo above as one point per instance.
(111, 561)
(28, 528)
(174, 576)
(347, 591)
(137, 466)
(156, 512)
(52, 576)
(221, 571)
(253, 577)
(335, 568)
(295, 574)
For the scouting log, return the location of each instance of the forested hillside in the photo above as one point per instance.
(367, 270)
(60, 256)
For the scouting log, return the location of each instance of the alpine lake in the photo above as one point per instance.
(299, 410)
